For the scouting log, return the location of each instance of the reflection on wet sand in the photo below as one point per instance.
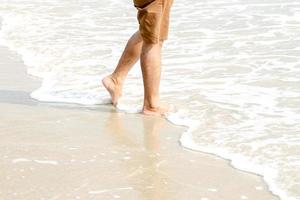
(142, 169)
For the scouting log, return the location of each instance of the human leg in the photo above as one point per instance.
(151, 70)
(114, 82)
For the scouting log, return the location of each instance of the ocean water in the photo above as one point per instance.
(232, 67)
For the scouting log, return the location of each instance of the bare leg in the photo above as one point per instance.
(150, 55)
(151, 69)
(114, 82)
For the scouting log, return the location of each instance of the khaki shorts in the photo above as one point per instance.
(153, 18)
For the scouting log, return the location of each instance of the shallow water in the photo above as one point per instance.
(235, 63)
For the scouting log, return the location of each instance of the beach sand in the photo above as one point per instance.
(61, 151)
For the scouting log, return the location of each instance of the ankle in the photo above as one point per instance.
(152, 105)
(117, 79)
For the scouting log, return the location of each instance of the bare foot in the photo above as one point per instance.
(114, 89)
(158, 111)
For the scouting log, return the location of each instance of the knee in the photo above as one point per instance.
(150, 47)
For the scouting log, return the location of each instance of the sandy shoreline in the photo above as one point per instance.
(59, 151)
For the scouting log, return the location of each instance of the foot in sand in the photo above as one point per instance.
(158, 111)
(113, 87)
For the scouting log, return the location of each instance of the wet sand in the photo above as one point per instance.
(64, 151)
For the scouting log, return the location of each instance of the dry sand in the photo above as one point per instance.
(60, 151)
